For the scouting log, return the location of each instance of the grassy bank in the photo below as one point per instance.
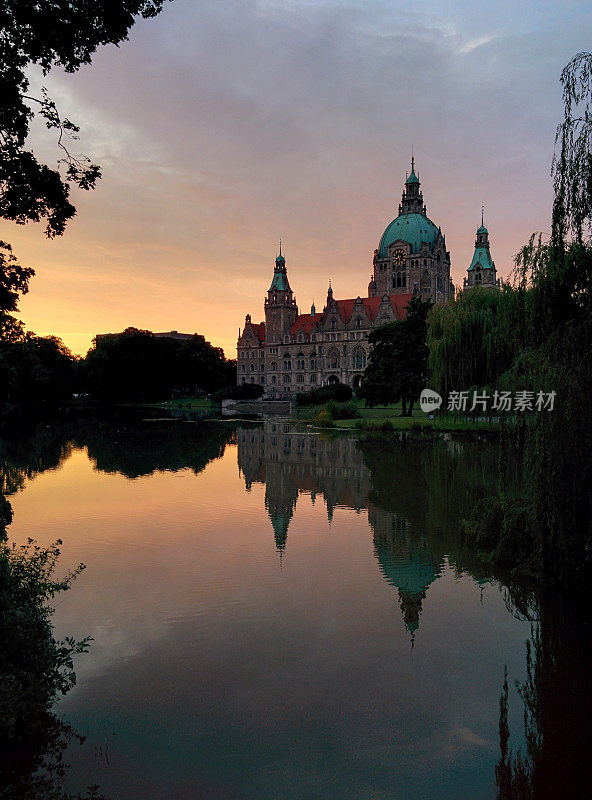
(195, 403)
(385, 418)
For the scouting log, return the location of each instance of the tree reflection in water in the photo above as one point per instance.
(416, 492)
(556, 758)
(35, 669)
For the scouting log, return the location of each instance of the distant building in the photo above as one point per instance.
(481, 271)
(291, 352)
(180, 337)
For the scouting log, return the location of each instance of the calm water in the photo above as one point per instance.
(275, 614)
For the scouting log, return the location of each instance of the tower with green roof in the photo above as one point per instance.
(412, 255)
(481, 270)
(280, 304)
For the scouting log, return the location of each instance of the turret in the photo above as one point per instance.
(412, 198)
(481, 270)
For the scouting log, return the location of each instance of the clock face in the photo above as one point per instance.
(399, 257)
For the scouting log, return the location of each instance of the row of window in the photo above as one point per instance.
(333, 360)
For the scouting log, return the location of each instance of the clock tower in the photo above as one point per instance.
(412, 255)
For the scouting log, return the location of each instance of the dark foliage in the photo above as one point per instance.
(36, 372)
(137, 366)
(337, 391)
(397, 368)
(14, 280)
(246, 391)
(50, 33)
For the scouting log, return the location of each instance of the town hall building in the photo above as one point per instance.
(291, 352)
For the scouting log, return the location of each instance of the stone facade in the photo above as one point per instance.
(290, 352)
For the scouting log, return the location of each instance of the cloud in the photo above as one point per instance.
(222, 127)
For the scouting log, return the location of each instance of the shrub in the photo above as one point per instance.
(343, 410)
(248, 391)
(324, 419)
(338, 391)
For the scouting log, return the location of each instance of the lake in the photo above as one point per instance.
(275, 613)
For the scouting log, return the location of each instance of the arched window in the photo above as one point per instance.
(300, 337)
(359, 358)
(334, 358)
(287, 379)
(273, 366)
(333, 324)
(287, 363)
(358, 322)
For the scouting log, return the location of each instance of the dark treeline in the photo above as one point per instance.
(139, 366)
(535, 336)
(133, 366)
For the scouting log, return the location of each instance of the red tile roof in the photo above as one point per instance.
(372, 304)
(305, 323)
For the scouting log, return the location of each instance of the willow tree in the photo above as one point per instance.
(472, 339)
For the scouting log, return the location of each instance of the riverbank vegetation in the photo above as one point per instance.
(535, 336)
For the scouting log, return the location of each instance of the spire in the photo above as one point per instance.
(313, 310)
(412, 177)
(280, 260)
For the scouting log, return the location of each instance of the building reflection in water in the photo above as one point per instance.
(291, 463)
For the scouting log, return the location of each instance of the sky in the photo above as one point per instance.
(223, 127)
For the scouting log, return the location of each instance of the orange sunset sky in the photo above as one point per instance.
(221, 127)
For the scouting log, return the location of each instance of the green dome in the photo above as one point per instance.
(413, 228)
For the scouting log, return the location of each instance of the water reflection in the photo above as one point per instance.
(415, 493)
(269, 655)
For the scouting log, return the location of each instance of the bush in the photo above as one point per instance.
(248, 391)
(343, 410)
(339, 392)
(324, 419)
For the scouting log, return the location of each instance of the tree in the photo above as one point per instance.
(397, 368)
(50, 33)
(137, 365)
(473, 339)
